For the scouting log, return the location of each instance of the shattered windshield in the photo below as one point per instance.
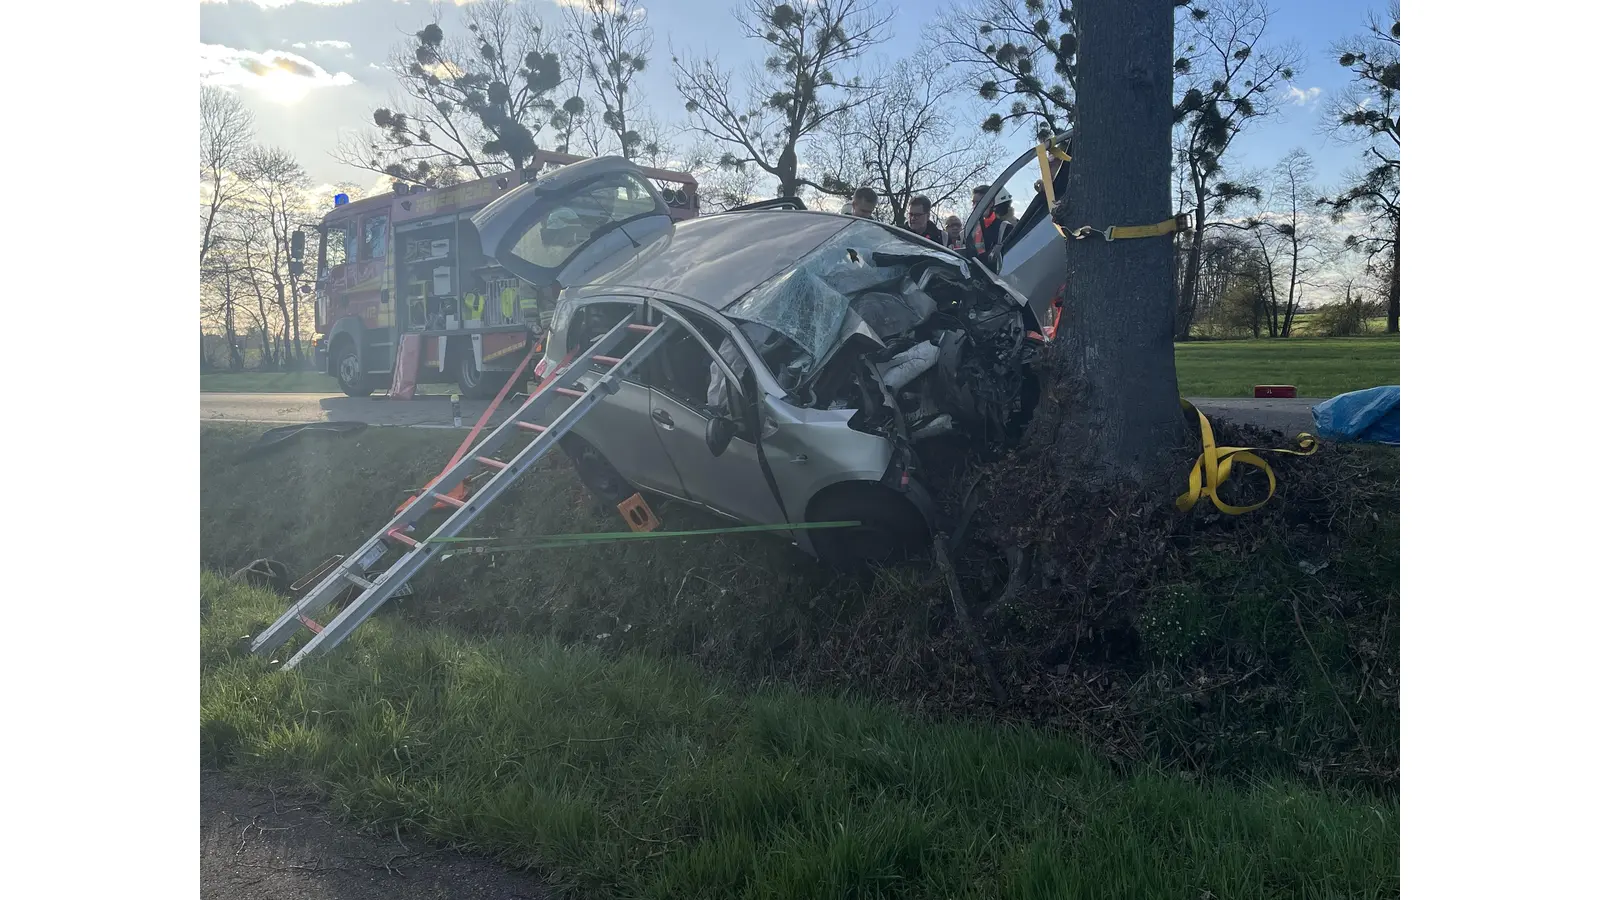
(809, 303)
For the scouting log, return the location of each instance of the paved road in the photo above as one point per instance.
(1288, 416)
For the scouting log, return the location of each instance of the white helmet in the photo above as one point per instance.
(1003, 197)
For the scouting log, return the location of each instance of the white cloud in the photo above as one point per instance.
(274, 4)
(282, 77)
(323, 45)
(610, 5)
(1305, 97)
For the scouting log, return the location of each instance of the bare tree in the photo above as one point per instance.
(222, 284)
(1292, 236)
(1228, 80)
(720, 187)
(1017, 51)
(793, 94)
(474, 105)
(1111, 408)
(1368, 110)
(574, 126)
(275, 206)
(905, 140)
(226, 132)
(613, 43)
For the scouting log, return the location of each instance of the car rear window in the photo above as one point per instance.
(561, 232)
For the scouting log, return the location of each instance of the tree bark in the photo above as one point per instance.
(1113, 400)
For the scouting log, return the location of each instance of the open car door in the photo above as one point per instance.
(1033, 257)
(574, 224)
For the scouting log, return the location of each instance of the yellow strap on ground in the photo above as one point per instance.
(1216, 464)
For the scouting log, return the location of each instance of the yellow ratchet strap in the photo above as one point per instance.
(1179, 222)
(1045, 151)
(1216, 464)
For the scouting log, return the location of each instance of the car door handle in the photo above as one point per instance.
(662, 418)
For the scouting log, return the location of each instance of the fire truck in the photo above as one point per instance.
(410, 262)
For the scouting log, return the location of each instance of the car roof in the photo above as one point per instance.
(719, 258)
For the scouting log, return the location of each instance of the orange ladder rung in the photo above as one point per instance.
(403, 538)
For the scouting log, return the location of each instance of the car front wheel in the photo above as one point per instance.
(891, 530)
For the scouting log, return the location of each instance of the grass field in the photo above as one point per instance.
(1317, 367)
(632, 776)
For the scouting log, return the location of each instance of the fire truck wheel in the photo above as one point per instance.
(475, 383)
(347, 368)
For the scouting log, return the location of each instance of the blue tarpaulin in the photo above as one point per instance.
(1369, 416)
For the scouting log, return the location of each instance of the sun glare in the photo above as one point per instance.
(283, 87)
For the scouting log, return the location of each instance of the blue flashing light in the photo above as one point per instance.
(341, 199)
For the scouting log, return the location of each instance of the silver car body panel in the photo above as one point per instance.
(812, 449)
(718, 259)
(807, 449)
(706, 266)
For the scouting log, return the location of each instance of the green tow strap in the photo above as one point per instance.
(492, 545)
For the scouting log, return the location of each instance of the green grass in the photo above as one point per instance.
(1317, 367)
(288, 383)
(751, 608)
(632, 776)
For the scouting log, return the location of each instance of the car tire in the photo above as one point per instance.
(892, 530)
(599, 477)
(474, 382)
(347, 368)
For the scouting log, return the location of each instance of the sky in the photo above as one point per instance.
(311, 69)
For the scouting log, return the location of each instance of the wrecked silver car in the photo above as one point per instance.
(817, 359)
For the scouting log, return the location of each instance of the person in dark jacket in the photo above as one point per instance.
(919, 219)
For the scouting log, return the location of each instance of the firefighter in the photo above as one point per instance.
(992, 231)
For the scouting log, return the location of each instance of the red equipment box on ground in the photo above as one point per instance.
(1274, 390)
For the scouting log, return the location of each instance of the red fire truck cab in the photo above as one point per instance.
(411, 262)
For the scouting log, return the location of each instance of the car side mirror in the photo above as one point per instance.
(297, 253)
(719, 434)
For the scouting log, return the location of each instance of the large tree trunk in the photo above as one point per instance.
(1394, 283)
(1114, 386)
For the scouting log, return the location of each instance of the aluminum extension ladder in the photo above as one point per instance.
(355, 569)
